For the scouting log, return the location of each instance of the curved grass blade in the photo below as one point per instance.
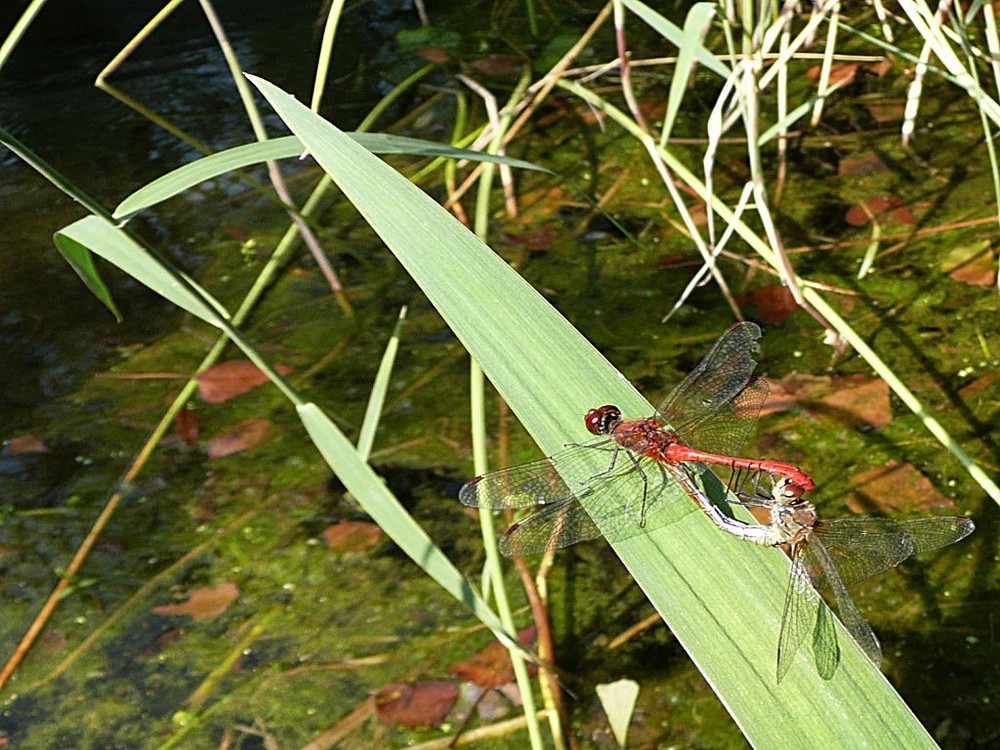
(288, 147)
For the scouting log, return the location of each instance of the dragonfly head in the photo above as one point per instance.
(786, 491)
(602, 420)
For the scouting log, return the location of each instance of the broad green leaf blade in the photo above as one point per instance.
(81, 260)
(103, 238)
(369, 489)
(289, 147)
(721, 596)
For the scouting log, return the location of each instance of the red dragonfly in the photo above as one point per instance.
(833, 554)
(715, 408)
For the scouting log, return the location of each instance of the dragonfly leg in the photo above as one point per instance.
(734, 485)
(614, 459)
(645, 486)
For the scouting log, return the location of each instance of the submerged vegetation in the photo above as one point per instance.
(833, 177)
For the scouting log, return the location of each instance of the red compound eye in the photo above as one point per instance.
(601, 420)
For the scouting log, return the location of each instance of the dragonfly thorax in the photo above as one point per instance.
(793, 522)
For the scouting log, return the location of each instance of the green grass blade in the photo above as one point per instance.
(289, 147)
(695, 26)
(373, 412)
(114, 245)
(675, 35)
(370, 490)
(721, 597)
(81, 260)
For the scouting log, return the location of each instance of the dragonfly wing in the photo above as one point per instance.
(801, 601)
(542, 482)
(727, 430)
(863, 547)
(619, 505)
(708, 391)
(850, 615)
(826, 649)
(938, 531)
(555, 526)
(522, 486)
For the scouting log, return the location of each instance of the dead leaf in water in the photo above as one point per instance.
(892, 488)
(436, 55)
(860, 400)
(772, 304)
(203, 604)
(52, 642)
(842, 75)
(352, 536)
(890, 110)
(244, 435)
(863, 165)
(226, 380)
(187, 425)
(793, 391)
(416, 705)
(885, 210)
(979, 384)
(969, 265)
(497, 65)
(491, 666)
(24, 444)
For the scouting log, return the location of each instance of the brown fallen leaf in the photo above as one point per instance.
(227, 380)
(653, 104)
(416, 705)
(886, 210)
(187, 425)
(892, 488)
(436, 55)
(491, 666)
(979, 384)
(892, 110)
(52, 641)
(771, 304)
(793, 391)
(497, 65)
(24, 444)
(244, 435)
(537, 238)
(352, 536)
(971, 265)
(863, 165)
(203, 604)
(843, 75)
(860, 400)
(880, 68)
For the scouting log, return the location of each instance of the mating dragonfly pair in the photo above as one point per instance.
(714, 408)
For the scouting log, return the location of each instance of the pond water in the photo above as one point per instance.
(314, 631)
